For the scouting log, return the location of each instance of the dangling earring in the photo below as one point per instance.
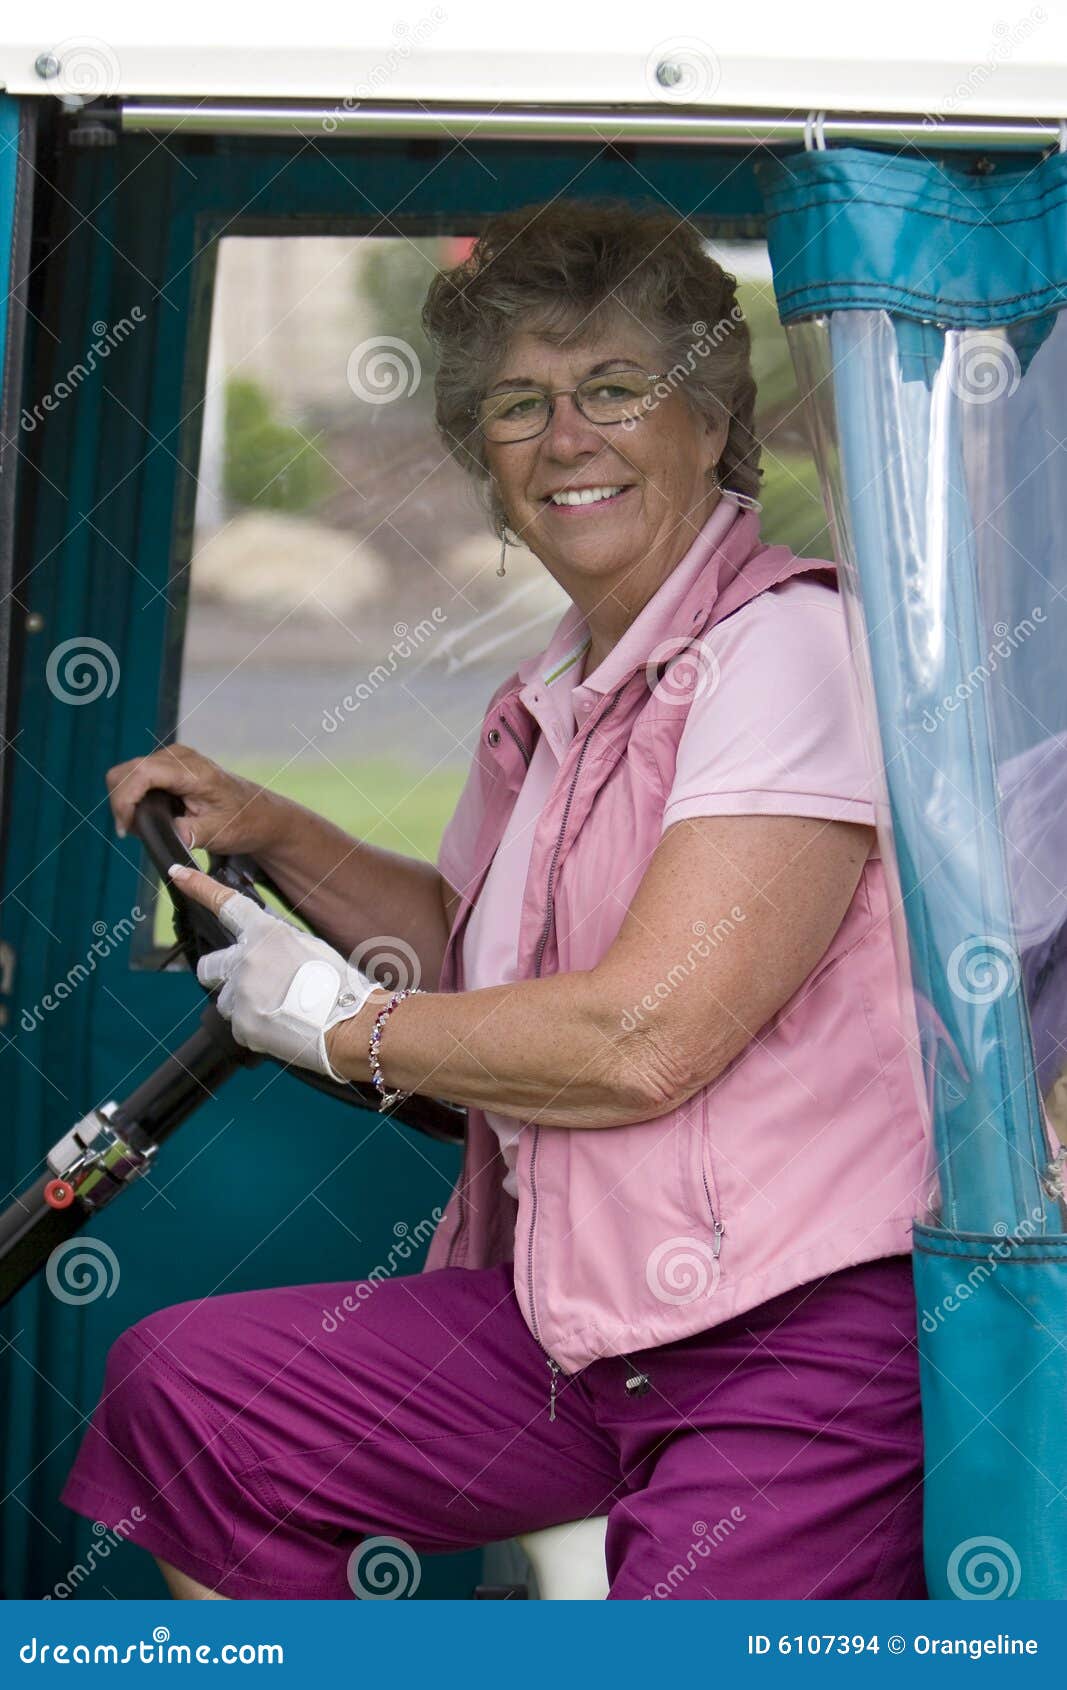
(745, 500)
(503, 532)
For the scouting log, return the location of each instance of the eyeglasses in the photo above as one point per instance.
(520, 413)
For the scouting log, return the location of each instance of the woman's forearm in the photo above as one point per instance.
(551, 1050)
(350, 891)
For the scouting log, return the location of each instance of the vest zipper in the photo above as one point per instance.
(554, 1365)
(540, 957)
(518, 741)
(717, 1225)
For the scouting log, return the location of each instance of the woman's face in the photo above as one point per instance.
(663, 466)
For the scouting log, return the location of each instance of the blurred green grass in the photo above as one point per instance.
(394, 805)
(793, 511)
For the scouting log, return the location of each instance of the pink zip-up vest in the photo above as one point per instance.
(634, 1236)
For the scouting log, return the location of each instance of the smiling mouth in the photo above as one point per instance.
(587, 498)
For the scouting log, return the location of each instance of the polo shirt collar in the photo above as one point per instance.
(652, 623)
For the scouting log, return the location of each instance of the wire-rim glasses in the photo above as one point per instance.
(521, 413)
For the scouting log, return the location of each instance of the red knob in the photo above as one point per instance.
(58, 1194)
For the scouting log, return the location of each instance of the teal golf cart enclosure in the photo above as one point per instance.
(222, 522)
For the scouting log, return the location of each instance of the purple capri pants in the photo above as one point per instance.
(265, 1434)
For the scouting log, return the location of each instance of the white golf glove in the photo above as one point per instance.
(282, 989)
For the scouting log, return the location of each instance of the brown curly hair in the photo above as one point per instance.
(567, 269)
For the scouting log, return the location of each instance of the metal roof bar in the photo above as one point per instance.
(573, 123)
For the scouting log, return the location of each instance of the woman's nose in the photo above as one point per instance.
(568, 431)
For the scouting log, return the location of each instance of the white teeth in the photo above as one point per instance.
(585, 496)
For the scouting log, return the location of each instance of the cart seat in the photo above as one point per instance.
(568, 1560)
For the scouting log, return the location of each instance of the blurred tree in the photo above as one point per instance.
(771, 362)
(793, 511)
(266, 462)
(392, 279)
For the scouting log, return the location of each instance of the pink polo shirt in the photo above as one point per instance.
(775, 729)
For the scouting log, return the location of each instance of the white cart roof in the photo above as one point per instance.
(982, 59)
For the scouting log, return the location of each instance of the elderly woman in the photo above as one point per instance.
(673, 1283)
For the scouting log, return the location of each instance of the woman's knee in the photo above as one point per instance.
(186, 1589)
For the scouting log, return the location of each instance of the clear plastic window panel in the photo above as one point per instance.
(941, 454)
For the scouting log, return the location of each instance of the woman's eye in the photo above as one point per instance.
(520, 407)
(628, 387)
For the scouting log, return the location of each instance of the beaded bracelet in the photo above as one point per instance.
(387, 1098)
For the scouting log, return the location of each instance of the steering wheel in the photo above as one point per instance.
(198, 931)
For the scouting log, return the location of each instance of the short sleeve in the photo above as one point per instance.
(777, 731)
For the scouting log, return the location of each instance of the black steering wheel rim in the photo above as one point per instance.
(199, 931)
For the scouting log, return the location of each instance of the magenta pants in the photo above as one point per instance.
(264, 1435)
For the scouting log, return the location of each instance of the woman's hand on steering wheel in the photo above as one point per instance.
(223, 812)
(282, 989)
